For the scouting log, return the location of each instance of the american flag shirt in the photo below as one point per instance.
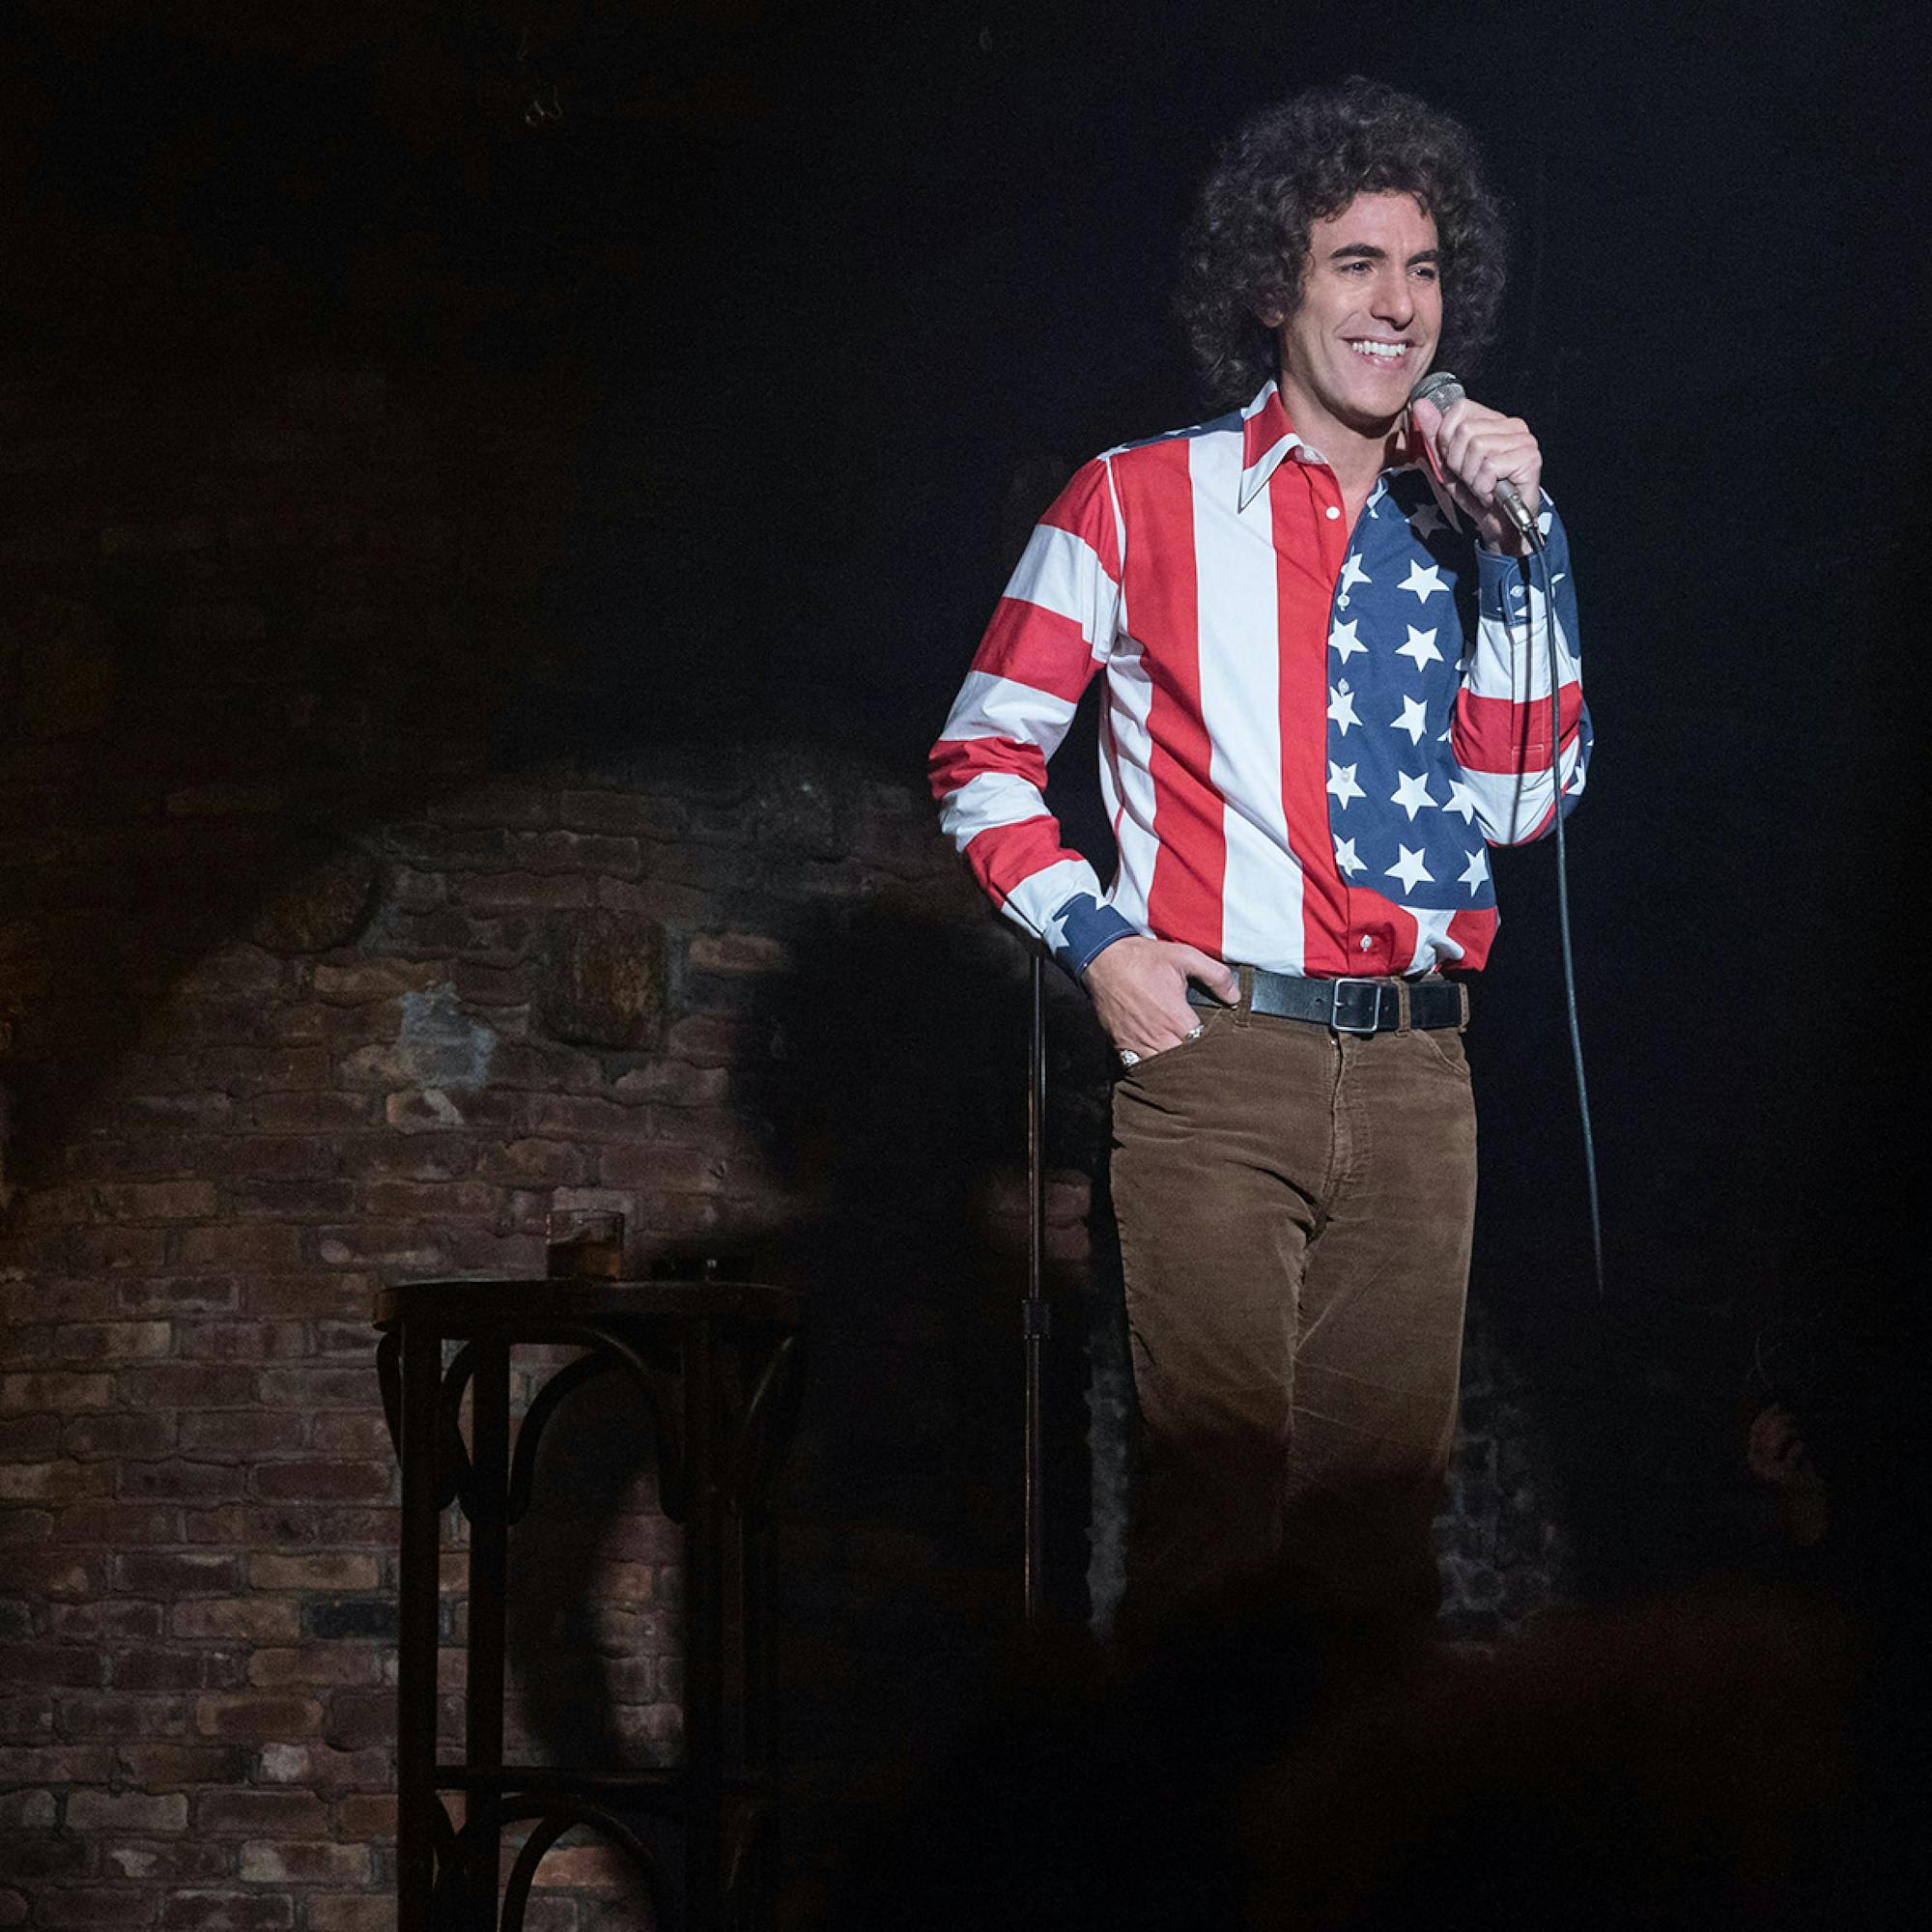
(1311, 735)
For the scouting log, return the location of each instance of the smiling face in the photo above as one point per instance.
(1370, 314)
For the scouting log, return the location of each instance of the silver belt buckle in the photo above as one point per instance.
(1335, 1021)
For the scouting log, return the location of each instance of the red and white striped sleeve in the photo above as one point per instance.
(1500, 732)
(1052, 631)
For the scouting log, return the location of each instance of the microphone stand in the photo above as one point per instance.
(1036, 1314)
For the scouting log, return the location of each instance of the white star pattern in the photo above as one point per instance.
(1411, 793)
(1424, 579)
(1345, 857)
(1421, 647)
(1425, 517)
(1475, 872)
(1342, 638)
(1462, 798)
(1411, 720)
(1341, 783)
(1352, 573)
(1342, 708)
(1410, 870)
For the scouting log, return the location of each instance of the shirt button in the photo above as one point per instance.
(1331, 513)
(1368, 944)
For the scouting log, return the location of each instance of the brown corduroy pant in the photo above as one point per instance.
(1294, 1208)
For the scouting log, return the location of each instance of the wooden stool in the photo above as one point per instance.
(710, 1364)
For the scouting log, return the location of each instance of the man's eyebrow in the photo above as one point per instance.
(1367, 251)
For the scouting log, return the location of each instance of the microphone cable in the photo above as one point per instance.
(1532, 529)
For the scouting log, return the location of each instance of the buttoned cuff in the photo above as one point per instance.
(1086, 928)
(1501, 582)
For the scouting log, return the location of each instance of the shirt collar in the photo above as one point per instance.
(1268, 439)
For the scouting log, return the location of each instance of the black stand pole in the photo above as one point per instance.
(1034, 1309)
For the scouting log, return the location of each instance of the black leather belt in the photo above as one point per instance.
(1347, 1005)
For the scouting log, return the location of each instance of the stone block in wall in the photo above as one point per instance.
(602, 979)
(324, 894)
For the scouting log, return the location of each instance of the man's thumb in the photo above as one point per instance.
(1220, 978)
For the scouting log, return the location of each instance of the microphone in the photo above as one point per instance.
(1442, 388)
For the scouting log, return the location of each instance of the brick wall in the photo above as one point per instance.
(310, 975)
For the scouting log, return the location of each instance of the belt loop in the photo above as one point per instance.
(1400, 1008)
(1245, 1006)
(1463, 997)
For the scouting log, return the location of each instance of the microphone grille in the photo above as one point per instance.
(1439, 387)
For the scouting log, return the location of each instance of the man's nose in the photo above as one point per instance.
(1394, 299)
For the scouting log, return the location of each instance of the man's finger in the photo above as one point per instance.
(1215, 975)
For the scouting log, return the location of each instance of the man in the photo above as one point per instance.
(1324, 693)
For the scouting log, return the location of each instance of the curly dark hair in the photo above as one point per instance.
(1300, 162)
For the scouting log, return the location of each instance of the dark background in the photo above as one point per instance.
(833, 297)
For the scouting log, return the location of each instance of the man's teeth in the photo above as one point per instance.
(1382, 352)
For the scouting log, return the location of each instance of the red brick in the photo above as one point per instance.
(330, 1570)
(242, 1814)
(57, 1667)
(175, 1572)
(579, 1116)
(263, 1717)
(349, 1912)
(310, 1388)
(177, 1295)
(256, 1069)
(360, 1719)
(189, 1386)
(335, 1665)
(366, 1815)
(54, 1390)
(45, 1299)
(241, 1431)
(293, 1200)
(98, 1906)
(167, 1765)
(237, 1619)
(304, 1862)
(323, 1113)
(430, 1200)
(141, 1812)
(737, 952)
(108, 1622)
(181, 1481)
(57, 1573)
(244, 1341)
(110, 1249)
(20, 1527)
(294, 1297)
(119, 1434)
(345, 1435)
(155, 1199)
(23, 1347)
(325, 1481)
(386, 1246)
(164, 1865)
(29, 1439)
(55, 1764)
(345, 1527)
(263, 1156)
(324, 1769)
(119, 1718)
(151, 1668)
(250, 1244)
(675, 1083)
(230, 1911)
(52, 1482)
(117, 1523)
(105, 1341)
